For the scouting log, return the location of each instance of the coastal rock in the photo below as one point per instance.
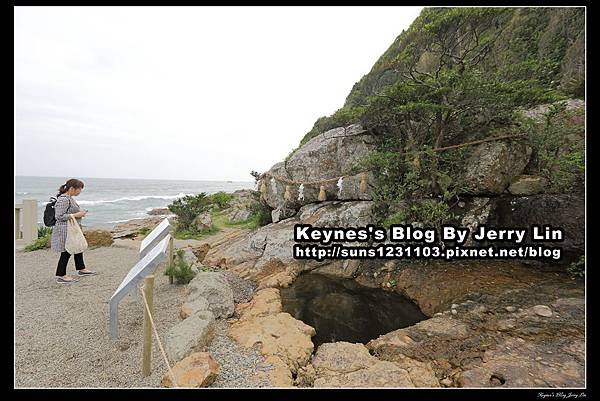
(190, 308)
(197, 370)
(203, 221)
(213, 287)
(189, 257)
(528, 185)
(243, 205)
(327, 156)
(265, 255)
(344, 364)
(160, 211)
(96, 238)
(189, 335)
(280, 335)
(200, 251)
(483, 345)
(132, 227)
(493, 165)
(513, 364)
(539, 112)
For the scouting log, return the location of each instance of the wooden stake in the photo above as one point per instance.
(147, 352)
(171, 252)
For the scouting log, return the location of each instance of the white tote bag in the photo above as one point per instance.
(76, 242)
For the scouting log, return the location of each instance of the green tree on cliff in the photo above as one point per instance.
(445, 94)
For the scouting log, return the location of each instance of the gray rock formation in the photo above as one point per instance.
(492, 166)
(274, 242)
(213, 287)
(528, 185)
(329, 155)
(189, 335)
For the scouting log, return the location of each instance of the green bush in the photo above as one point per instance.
(220, 199)
(558, 148)
(43, 241)
(43, 231)
(144, 231)
(188, 208)
(181, 271)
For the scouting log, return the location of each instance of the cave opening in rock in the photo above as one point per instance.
(343, 310)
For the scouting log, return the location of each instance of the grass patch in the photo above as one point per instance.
(193, 233)
(144, 231)
(220, 219)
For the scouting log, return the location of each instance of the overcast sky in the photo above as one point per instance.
(198, 93)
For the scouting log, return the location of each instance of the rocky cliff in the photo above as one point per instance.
(492, 321)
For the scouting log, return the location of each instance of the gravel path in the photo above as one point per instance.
(62, 333)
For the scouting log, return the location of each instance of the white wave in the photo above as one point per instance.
(132, 198)
(22, 193)
(118, 221)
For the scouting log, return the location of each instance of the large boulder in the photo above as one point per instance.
(190, 335)
(493, 165)
(327, 156)
(244, 203)
(213, 287)
(197, 370)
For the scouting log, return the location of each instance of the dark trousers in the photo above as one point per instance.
(61, 269)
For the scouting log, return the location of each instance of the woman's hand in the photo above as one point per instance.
(79, 214)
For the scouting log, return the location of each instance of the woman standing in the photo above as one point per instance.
(64, 208)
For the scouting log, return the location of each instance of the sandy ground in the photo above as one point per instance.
(62, 330)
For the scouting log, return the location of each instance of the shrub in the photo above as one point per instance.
(43, 231)
(181, 271)
(220, 199)
(558, 147)
(188, 208)
(43, 241)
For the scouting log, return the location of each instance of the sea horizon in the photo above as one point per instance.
(111, 201)
(129, 178)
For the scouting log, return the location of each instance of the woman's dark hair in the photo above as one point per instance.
(72, 183)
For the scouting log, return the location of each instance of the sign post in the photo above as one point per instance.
(143, 268)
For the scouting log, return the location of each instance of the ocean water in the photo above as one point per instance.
(110, 200)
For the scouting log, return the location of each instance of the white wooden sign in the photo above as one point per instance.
(144, 267)
(155, 236)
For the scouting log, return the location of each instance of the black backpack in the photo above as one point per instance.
(49, 216)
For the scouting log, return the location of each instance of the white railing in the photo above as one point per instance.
(26, 230)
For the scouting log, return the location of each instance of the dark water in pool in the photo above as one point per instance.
(343, 310)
